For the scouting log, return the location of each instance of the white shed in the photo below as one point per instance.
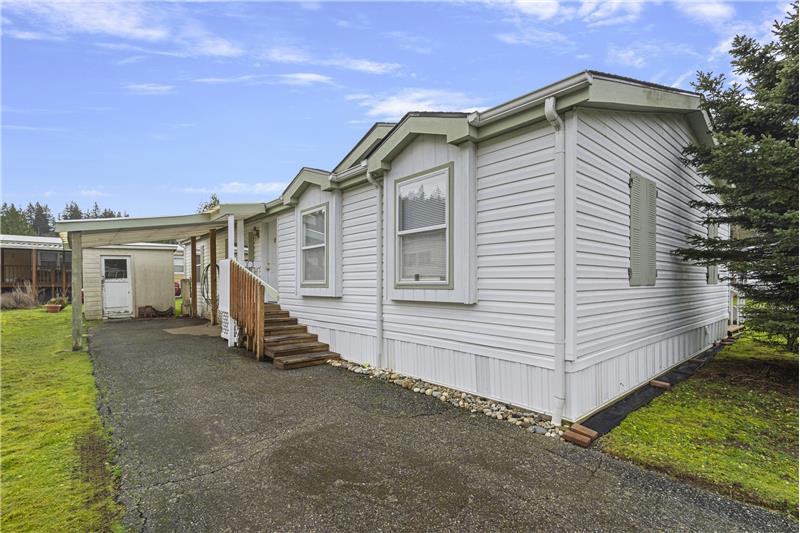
(118, 281)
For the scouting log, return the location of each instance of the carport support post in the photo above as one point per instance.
(231, 248)
(77, 284)
(212, 239)
(34, 275)
(194, 276)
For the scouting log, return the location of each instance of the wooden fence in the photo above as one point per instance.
(247, 307)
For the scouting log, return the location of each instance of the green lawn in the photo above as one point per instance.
(54, 453)
(732, 427)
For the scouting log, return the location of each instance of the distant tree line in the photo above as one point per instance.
(38, 219)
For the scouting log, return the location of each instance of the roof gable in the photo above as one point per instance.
(373, 136)
(303, 180)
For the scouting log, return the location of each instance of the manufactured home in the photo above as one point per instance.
(521, 253)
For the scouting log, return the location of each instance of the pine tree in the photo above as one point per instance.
(13, 221)
(72, 211)
(40, 218)
(210, 203)
(753, 167)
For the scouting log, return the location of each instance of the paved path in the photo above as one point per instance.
(210, 440)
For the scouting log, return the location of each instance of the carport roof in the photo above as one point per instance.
(111, 231)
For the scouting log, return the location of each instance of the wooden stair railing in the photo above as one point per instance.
(269, 331)
(247, 292)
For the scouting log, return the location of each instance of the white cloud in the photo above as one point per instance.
(533, 36)
(394, 106)
(130, 60)
(412, 43)
(609, 13)
(287, 54)
(295, 55)
(93, 193)
(304, 78)
(712, 12)
(30, 35)
(149, 88)
(628, 57)
(681, 80)
(20, 127)
(247, 78)
(238, 187)
(591, 12)
(360, 65)
(149, 22)
(638, 54)
(128, 20)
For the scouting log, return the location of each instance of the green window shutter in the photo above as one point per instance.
(712, 271)
(642, 271)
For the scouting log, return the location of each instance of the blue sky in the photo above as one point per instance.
(150, 107)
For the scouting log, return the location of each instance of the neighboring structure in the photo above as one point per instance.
(119, 281)
(522, 253)
(52, 275)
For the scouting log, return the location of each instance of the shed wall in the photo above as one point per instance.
(152, 279)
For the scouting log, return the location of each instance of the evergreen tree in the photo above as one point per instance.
(72, 211)
(13, 221)
(753, 167)
(210, 203)
(40, 218)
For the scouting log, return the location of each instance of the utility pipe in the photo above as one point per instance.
(559, 364)
(378, 267)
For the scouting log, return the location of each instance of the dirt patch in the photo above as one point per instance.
(96, 470)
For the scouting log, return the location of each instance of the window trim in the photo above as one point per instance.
(324, 207)
(448, 227)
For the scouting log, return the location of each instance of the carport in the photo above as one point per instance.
(80, 234)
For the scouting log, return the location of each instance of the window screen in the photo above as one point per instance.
(422, 228)
(314, 246)
(116, 269)
(643, 192)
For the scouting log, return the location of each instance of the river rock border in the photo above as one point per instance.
(530, 421)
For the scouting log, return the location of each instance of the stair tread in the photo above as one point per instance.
(279, 327)
(287, 362)
(310, 346)
(300, 336)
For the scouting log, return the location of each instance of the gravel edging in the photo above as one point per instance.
(523, 419)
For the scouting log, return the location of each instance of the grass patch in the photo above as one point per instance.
(55, 453)
(732, 427)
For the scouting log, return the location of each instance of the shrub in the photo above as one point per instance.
(20, 297)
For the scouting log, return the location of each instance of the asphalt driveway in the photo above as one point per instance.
(210, 440)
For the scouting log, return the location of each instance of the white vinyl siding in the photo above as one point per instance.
(423, 229)
(643, 194)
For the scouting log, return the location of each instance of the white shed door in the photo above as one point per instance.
(116, 279)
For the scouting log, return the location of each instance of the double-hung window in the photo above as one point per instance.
(314, 246)
(423, 229)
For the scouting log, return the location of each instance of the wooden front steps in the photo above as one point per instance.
(289, 344)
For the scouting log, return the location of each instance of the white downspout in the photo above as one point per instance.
(378, 268)
(231, 248)
(559, 364)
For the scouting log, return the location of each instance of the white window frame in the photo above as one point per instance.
(304, 247)
(447, 283)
